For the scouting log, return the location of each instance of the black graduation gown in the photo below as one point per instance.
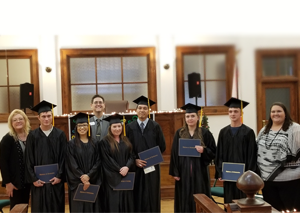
(146, 186)
(238, 148)
(43, 150)
(112, 162)
(83, 159)
(193, 173)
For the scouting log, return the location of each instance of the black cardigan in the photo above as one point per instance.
(9, 161)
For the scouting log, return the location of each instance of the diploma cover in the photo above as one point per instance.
(127, 182)
(187, 147)
(88, 195)
(232, 171)
(46, 172)
(152, 156)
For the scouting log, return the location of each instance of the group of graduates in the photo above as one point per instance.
(104, 150)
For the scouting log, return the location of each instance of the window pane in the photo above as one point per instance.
(3, 72)
(215, 66)
(19, 71)
(217, 93)
(81, 97)
(3, 100)
(275, 95)
(193, 63)
(286, 66)
(269, 66)
(112, 92)
(135, 69)
(109, 70)
(200, 101)
(82, 70)
(133, 91)
(14, 97)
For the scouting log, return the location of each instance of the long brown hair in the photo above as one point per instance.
(287, 121)
(113, 143)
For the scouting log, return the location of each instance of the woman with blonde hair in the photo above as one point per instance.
(12, 158)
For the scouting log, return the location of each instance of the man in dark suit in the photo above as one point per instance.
(98, 125)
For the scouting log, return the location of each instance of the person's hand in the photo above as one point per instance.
(177, 178)
(38, 183)
(84, 178)
(86, 185)
(124, 170)
(9, 189)
(140, 163)
(220, 179)
(55, 180)
(199, 149)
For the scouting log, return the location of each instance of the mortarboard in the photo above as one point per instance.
(82, 118)
(142, 100)
(191, 108)
(236, 103)
(114, 119)
(43, 106)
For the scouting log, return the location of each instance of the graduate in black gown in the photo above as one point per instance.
(117, 160)
(191, 173)
(46, 145)
(146, 186)
(236, 144)
(82, 164)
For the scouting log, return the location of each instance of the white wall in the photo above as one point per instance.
(49, 55)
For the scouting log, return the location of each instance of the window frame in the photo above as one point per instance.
(66, 54)
(229, 51)
(31, 54)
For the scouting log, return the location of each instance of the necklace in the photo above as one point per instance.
(268, 146)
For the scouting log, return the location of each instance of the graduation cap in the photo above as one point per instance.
(81, 117)
(142, 100)
(192, 108)
(236, 103)
(43, 106)
(116, 118)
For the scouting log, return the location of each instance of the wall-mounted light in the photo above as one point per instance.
(48, 69)
(166, 66)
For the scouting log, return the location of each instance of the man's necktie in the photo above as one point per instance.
(98, 132)
(142, 127)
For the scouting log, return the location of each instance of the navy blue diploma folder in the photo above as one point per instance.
(232, 171)
(46, 172)
(127, 182)
(187, 147)
(88, 195)
(151, 156)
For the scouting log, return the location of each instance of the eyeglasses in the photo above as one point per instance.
(18, 119)
(82, 125)
(98, 102)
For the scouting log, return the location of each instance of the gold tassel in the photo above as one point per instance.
(200, 122)
(149, 107)
(124, 121)
(89, 125)
(52, 116)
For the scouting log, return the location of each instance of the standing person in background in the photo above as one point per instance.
(118, 160)
(191, 173)
(46, 145)
(82, 164)
(98, 125)
(236, 144)
(12, 158)
(144, 134)
(278, 159)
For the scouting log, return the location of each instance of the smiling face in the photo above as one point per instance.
(116, 129)
(191, 119)
(82, 128)
(18, 122)
(277, 115)
(98, 105)
(234, 114)
(142, 112)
